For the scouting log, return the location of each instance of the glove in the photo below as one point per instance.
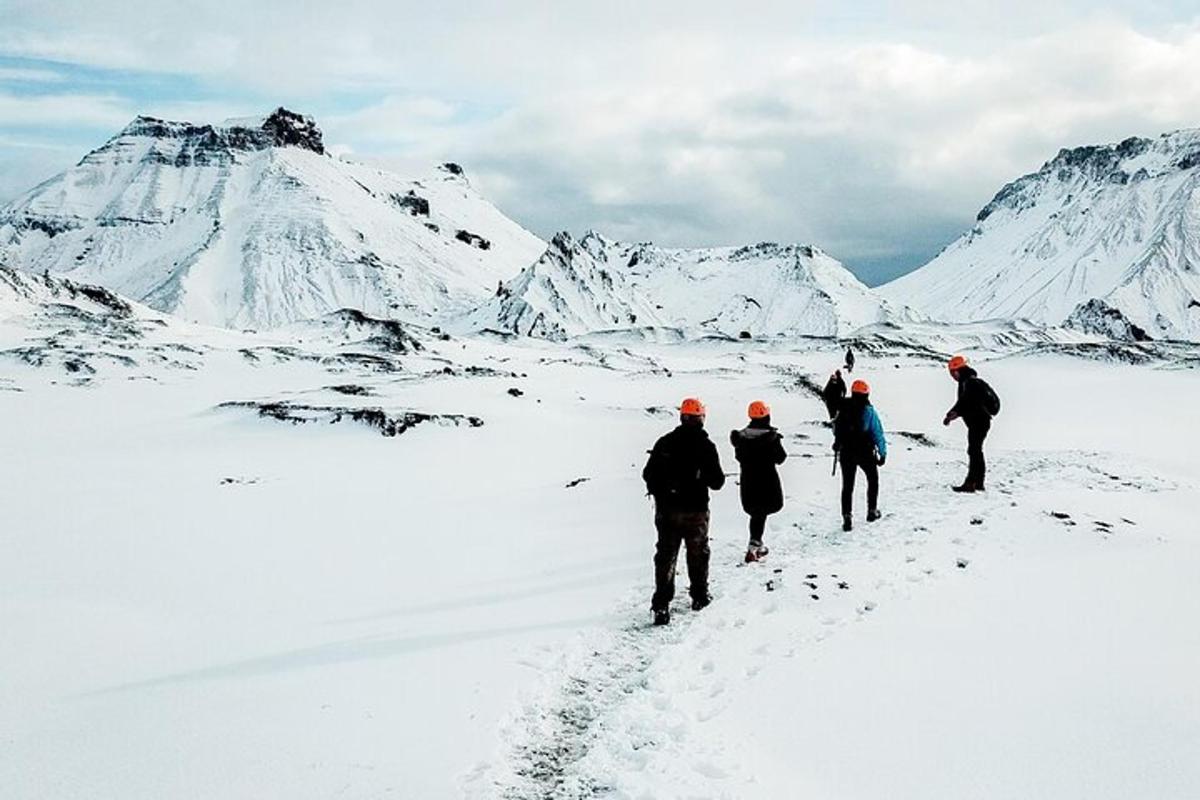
(880, 461)
(947, 420)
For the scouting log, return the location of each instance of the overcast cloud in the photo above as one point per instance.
(873, 132)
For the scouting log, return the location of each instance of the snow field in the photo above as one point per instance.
(201, 602)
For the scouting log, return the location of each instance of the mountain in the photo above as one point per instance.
(1117, 223)
(253, 224)
(596, 284)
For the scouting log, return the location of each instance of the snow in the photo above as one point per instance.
(199, 601)
(595, 284)
(1116, 223)
(225, 233)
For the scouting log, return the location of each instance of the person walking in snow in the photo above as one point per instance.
(682, 468)
(975, 405)
(834, 393)
(759, 450)
(859, 443)
(849, 360)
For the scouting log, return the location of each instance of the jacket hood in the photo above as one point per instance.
(966, 372)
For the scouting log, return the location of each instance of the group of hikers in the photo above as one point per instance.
(684, 466)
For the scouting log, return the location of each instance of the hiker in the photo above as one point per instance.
(849, 360)
(759, 449)
(975, 406)
(859, 443)
(834, 393)
(682, 467)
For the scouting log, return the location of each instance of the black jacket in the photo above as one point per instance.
(681, 469)
(971, 404)
(759, 449)
(833, 394)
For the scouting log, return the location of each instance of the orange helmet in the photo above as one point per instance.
(692, 407)
(758, 409)
(957, 363)
(860, 387)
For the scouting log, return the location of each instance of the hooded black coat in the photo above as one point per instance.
(682, 467)
(971, 403)
(759, 450)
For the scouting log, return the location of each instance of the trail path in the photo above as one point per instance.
(623, 704)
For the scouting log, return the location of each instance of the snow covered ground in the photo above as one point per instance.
(199, 601)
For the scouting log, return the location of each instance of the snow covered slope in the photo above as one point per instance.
(253, 224)
(23, 296)
(595, 284)
(1119, 223)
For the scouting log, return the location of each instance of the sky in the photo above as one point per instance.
(874, 130)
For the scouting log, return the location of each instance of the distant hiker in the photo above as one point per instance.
(975, 406)
(682, 467)
(849, 360)
(859, 443)
(759, 449)
(834, 393)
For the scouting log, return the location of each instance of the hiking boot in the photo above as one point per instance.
(847, 522)
(873, 515)
(662, 617)
(967, 487)
(756, 551)
(700, 603)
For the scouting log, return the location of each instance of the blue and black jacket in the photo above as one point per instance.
(857, 431)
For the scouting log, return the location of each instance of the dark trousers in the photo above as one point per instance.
(689, 528)
(758, 524)
(851, 464)
(977, 467)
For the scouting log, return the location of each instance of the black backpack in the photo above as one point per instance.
(671, 473)
(988, 398)
(848, 432)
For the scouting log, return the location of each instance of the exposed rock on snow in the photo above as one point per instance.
(349, 325)
(1119, 223)
(22, 293)
(251, 224)
(595, 284)
(388, 423)
(1098, 317)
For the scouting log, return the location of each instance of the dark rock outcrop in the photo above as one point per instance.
(473, 239)
(1099, 318)
(388, 423)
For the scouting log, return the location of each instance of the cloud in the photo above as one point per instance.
(29, 75)
(872, 129)
(57, 110)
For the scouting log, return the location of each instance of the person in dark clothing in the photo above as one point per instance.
(682, 468)
(834, 393)
(860, 444)
(975, 405)
(849, 360)
(759, 449)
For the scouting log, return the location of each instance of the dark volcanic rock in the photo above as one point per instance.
(388, 423)
(473, 239)
(1097, 317)
(412, 203)
(207, 144)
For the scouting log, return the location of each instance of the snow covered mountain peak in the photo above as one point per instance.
(252, 224)
(280, 128)
(1119, 223)
(593, 284)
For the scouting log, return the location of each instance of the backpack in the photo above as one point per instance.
(669, 474)
(988, 398)
(848, 431)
